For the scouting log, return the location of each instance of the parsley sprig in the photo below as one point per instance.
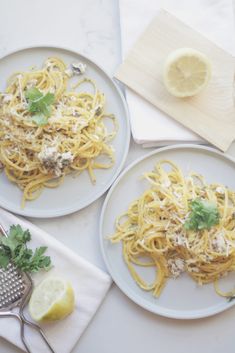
(39, 105)
(14, 249)
(203, 215)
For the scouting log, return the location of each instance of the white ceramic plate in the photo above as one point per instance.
(182, 298)
(74, 193)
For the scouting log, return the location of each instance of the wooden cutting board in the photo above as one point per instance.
(210, 114)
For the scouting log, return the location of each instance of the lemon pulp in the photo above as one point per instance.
(186, 72)
(53, 299)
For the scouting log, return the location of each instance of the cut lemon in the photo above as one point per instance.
(53, 299)
(187, 71)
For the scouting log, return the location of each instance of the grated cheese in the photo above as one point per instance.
(176, 267)
(219, 243)
(31, 83)
(78, 68)
(220, 190)
(54, 161)
(7, 97)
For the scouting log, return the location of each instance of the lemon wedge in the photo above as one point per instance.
(186, 72)
(53, 299)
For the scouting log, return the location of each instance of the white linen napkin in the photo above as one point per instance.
(90, 285)
(213, 18)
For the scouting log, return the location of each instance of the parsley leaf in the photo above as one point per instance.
(39, 105)
(14, 249)
(203, 215)
(39, 119)
(4, 258)
(16, 237)
(33, 94)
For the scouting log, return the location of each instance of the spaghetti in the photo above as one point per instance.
(74, 134)
(153, 231)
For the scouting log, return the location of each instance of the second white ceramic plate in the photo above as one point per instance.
(182, 298)
(76, 192)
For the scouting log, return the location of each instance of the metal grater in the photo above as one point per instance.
(15, 290)
(12, 287)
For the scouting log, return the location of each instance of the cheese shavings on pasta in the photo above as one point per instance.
(49, 129)
(154, 230)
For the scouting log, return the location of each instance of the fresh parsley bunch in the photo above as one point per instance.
(14, 249)
(39, 105)
(203, 215)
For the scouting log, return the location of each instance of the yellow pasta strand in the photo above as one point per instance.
(76, 130)
(153, 228)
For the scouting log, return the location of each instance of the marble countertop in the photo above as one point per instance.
(92, 27)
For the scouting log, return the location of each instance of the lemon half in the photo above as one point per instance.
(53, 299)
(186, 72)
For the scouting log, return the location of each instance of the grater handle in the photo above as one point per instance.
(18, 317)
(22, 318)
(35, 327)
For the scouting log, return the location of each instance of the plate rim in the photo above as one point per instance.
(70, 210)
(169, 313)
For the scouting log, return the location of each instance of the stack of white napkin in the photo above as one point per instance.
(90, 285)
(213, 18)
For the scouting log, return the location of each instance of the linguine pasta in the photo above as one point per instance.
(153, 230)
(35, 155)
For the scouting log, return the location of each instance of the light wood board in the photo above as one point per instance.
(211, 113)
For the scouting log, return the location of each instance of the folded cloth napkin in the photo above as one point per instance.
(90, 285)
(213, 18)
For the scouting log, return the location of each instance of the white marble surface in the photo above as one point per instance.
(92, 28)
